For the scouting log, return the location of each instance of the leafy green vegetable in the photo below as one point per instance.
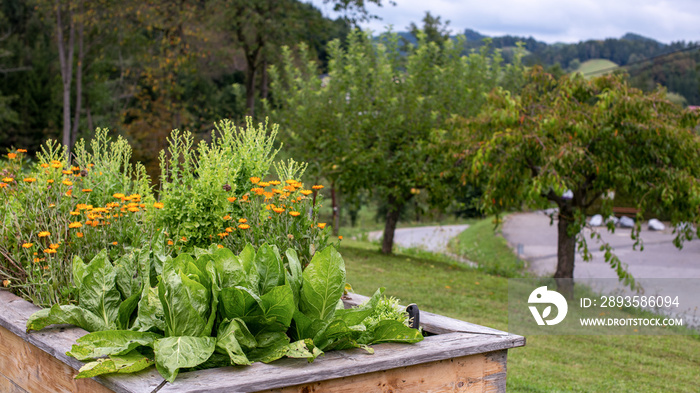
(174, 353)
(186, 302)
(232, 338)
(270, 269)
(322, 284)
(121, 364)
(70, 314)
(98, 292)
(113, 342)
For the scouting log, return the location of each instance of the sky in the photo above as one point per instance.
(547, 20)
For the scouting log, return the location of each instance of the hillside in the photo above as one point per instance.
(596, 67)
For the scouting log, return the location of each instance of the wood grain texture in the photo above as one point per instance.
(453, 343)
(476, 373)
(7, 386)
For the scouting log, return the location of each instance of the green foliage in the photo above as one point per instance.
(589, 137)
(221, 306)
(195, 184)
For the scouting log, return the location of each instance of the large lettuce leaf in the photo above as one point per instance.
(323, 281)
(174, 353)
(112, 342)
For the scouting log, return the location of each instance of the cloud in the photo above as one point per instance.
(550, 20)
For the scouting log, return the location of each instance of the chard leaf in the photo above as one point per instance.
(294, 274)
(174, 353)
(127, 279)
(229, 269)
(111, 342)
(186, 306)
(271, 346)
(390, 331)
(323, 283)
(121, 364)
(126, 309)
(304, 349)
(355, 315)
(247, 258)
(270, 268)
(150, 315)
(78, 272)
(233, 339)
(98, 293)
(239, 302)
(70, 314)
(278, 304)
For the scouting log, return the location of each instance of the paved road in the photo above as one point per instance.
(432, 239)
(660, 259)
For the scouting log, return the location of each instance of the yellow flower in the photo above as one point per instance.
(243, 226)
(255, 180)
(54, 246)
(278, 210)
(50, 181)
(79, 234)
(263, 184)
(306, 192)
(67, 182)
(231, 199)
(30, 179)
(275, 183)
(229, 229)
(226, 217)
(44, 165)
(21, 150)
(27, 245)
(49, 251)
(294, 214)
(44, 234)
(291, 182)
(56, 165)
(11, 156)
(321, 225)
(8, 179)
(75, 225)
(118, 195)
(133, 209)
(74, 213)
(317, 187)
(87, 189)
(158, 205)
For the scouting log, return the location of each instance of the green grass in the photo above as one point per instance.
(591, 68)
(490, 251)
(546, 363)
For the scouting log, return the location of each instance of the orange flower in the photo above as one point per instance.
(8, 179)
(54, 246)
(291, 182)
(226, 217)
(222, 234)
(255, 180)
(44, 165)
(133, 209)
(219, 246)
(49, 251)
(294, 214)
(306, 192)
(263, 184)
(74, 168)
(3, 185)
(317, 187)
(79, 234)
(321, 225)
(158, 205)
(278, 210)
(268, 195)
(50, 181)
(258, 190)
(44, 234)
(231, 199)
(56, 164)
(74, 213)
(275, 183)
(340, 238)
(115, 243)
(67, 182)
(75, 225)
(27, 245)
(118, 195)
(170, 242)
(243, 226)
(21, 150)
(87, 189)
(229, 229)
(67, 172)
(184, 239)
(242, 220)
(69, 192)
(6, 283)
(11, 156)
(30, 179)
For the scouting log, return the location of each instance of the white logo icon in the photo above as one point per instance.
(542, 295)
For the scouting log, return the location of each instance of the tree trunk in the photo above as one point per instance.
(566, 252)
(66, 61)
(78, 82)
(392, 218)
(263, 80)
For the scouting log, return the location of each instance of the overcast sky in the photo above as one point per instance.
(548, 20)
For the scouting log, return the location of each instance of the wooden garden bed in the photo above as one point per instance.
(458, 357)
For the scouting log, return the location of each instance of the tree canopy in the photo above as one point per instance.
(587, 137)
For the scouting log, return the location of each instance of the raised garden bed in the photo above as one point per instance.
(457, 356)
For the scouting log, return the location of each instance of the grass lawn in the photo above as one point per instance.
(546, 363)
(594, 65)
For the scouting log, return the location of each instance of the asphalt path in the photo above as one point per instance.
(433, 238)
(660, 268)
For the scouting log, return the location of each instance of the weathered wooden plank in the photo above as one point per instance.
(286, 372)
(36, 371)
(475, 373)
(7, 386)
(434, 323)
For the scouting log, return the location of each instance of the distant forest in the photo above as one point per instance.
(649, 62)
